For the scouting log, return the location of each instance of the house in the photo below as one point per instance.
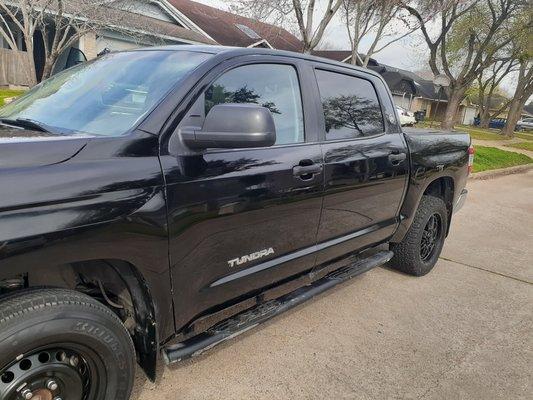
(131, 23)
(230, 29)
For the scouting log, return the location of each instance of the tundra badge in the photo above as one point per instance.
(250, 257)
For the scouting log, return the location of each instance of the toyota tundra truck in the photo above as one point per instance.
(157, 202)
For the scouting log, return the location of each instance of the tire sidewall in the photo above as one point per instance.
(66, 324)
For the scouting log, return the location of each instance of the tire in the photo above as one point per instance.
(67, 338)
(409, 253)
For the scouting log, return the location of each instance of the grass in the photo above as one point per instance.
(479, 133)
(525, 136)
(4, 93)
(487, 158)
(521, 145)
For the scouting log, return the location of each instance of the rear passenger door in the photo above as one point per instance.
(365, 157)
(243, 219)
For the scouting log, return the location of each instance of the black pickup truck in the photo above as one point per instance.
(157, 202)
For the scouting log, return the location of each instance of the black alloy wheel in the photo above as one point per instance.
(430, 237)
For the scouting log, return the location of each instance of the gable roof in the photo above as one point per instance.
(235, 30)
(423, 87)
(159, 28)
(117, 19)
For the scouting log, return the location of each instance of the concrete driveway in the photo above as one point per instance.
(465, 331)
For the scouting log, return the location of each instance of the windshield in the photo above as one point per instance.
(104, 97)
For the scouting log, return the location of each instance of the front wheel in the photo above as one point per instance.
(420, 249)
(61, 344)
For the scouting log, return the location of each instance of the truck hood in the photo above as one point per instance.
(27, 148)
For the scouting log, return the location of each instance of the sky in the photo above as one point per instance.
(410, 53)
(402, 54)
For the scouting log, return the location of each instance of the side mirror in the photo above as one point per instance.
(233, 126)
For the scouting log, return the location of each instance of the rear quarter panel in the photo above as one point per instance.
(433, 155)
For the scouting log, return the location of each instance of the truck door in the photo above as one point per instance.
(365, 162)
(243, 219)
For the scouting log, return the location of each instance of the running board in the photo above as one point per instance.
(247, 320)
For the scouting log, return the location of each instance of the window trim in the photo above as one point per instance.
(320, 108)
(297, 70)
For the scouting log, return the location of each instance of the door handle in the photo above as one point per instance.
(307, 171)
(397, 158)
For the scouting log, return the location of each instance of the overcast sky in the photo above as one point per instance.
(403, 54)
(410, 53)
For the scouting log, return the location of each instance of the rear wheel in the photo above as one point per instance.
(61, 344)
(420, 249)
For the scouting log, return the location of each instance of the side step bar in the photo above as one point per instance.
(249, 319)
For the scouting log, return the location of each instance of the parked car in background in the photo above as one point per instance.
(495, 123)
(157, 202)
(525, 124)
(407, 118)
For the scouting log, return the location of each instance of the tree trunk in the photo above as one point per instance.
(32, 71)
(484, 118)
(454, 100)
(515, 110)
(47, 69)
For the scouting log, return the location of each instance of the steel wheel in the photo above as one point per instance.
(66, 372)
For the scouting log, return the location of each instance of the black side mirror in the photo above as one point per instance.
(233, 126)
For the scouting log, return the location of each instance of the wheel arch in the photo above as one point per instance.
(122, 283)
(442, 186)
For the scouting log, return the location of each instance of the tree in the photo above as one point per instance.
(25, 16)
(488, 82)
(302, 13)
(61, 24)
(524, 86)
(468, 36)
(373, 18)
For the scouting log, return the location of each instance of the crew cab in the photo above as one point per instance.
(157, 202)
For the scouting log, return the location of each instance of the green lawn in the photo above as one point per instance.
(525, 136)
(8, 93)
(487, 158)
(521, 145)
(481, 134)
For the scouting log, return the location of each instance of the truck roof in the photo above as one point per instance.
(242, 51)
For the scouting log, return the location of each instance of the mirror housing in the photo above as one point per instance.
(233, 126)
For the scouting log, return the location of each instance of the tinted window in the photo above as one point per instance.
(272, 86)
(351, 107)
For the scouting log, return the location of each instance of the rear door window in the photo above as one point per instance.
(351, 106)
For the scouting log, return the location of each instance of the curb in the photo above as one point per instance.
(495, 173)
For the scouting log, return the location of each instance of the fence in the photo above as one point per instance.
(13, 68)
